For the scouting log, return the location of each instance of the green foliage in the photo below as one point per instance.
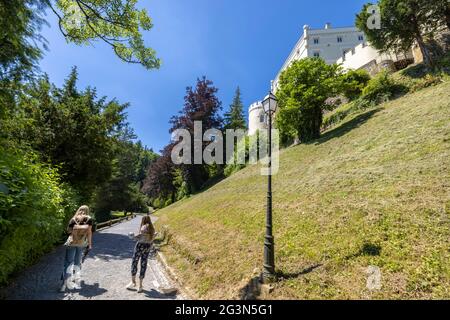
(403, 22)
(117, 23)
(353, 83)
(61, 147)
(33, 208)
(181, 186)
(20, 23)
(339, 114)
(168, 202)
(304, 88)
(381, 88)
(71, 129)
(234, 167)
(234, 118)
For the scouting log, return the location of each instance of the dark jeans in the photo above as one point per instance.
(72, 258)
(141, 251)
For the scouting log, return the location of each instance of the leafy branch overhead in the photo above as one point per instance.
(115, 22)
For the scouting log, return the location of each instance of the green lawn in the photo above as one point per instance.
(373, 191)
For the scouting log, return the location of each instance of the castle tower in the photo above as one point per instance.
(256, 118)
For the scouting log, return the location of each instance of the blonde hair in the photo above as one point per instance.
(82, 212)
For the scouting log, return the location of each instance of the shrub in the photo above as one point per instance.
(427, 81)
(381, 88)
(232, 168)
(338, 115)
(33, 209)
(168, 202)
(354, 82)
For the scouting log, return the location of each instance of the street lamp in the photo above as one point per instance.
(270, 104)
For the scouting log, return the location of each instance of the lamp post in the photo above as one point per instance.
(270, 104)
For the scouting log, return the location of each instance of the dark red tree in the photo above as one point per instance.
(202, 105)
(159, 181)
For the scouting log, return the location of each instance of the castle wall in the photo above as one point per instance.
(366, 57)
(323, 43)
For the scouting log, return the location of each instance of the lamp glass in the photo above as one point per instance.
(270, 103)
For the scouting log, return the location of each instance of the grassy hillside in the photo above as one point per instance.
(373, 191)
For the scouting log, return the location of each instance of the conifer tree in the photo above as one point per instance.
(234, 118)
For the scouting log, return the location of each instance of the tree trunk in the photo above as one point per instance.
(421, 43)
(427, 59)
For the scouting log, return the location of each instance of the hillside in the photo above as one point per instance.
(373, 191)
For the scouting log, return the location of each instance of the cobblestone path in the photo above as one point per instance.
(105, 273)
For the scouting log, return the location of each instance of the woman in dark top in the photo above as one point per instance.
(80, 238)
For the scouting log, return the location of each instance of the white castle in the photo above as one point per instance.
(346, 46)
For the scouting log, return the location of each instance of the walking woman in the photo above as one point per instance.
(80, 238)
(142, 251)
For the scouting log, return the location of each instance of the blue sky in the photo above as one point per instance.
(231, 42)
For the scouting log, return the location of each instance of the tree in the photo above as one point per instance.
(72, 130)
(403, 23)
(122, 192)
(200, 105)
(234, 118)
(444, 12)
(20, 23)
(353, 83)
(304, 88)
(159, 183)
(116, 23)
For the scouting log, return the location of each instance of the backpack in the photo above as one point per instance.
(78, 238)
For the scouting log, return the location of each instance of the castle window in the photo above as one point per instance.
(261, 118)
(317, 54)
(339, 39)
(361, 38)
(316, 40)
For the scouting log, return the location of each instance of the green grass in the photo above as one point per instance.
(117, 214)
(374, 190)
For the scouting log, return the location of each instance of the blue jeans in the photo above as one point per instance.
(73, 257)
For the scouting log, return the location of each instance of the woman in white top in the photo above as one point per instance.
(141, 251)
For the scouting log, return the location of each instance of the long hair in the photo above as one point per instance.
(81, 213)
(146, 220)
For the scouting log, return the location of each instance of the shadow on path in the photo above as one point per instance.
(91, 290)
(153, 294)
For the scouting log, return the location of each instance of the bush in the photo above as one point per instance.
(338, 115)
(33, 209)
(380, 89)
(232, 168)
(354, 82)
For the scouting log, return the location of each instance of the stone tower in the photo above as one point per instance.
(256, 118)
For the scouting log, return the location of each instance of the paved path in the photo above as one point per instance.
(105, 272)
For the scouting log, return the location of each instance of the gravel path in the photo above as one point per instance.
(105, 273)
